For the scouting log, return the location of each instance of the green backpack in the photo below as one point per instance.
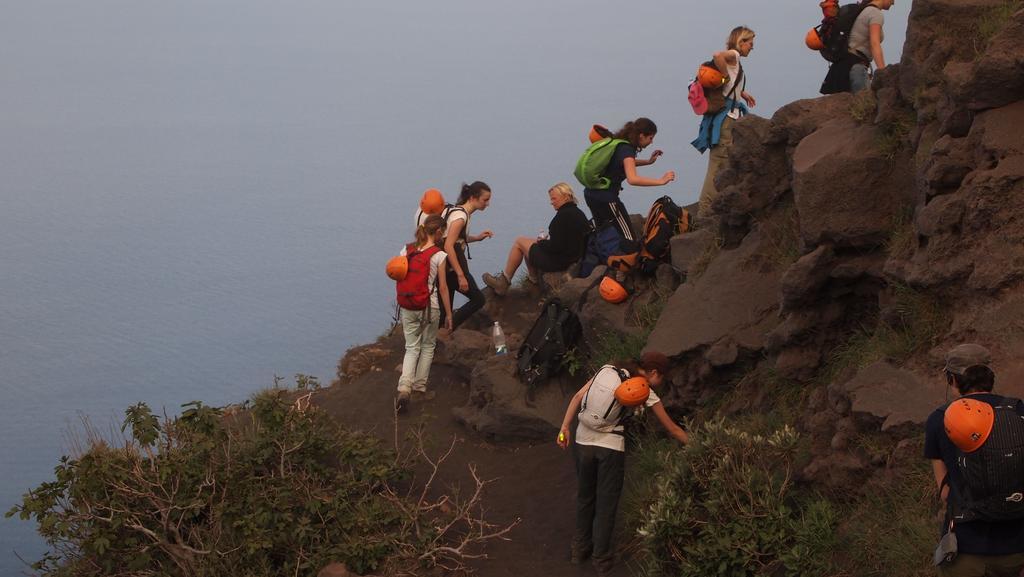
(590, 167)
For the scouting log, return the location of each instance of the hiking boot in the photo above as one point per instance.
(402, 401)
(604, 565)
(578, 555)
(499, 283)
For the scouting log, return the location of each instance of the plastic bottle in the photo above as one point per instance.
(500, 347)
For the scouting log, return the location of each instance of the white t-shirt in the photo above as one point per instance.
(600, 395)
(733, 70)
(435, 262)
(453, 216)
(860, 34)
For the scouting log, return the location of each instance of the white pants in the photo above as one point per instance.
(420, 338)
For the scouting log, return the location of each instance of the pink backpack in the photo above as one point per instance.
(697, 99)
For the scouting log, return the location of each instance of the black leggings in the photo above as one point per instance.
(611, 212)
(475, 296)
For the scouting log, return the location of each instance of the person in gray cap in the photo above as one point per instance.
(972, 544)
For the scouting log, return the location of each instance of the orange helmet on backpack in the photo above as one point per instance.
(397, 268)
(813, 40)
(633, 392)
(598, 132)
(432, 201)
(612, 291)
(710, 77)
(968, 423)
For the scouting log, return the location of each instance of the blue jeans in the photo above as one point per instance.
(859, 78)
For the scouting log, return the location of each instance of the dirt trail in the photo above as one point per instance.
(535, 483)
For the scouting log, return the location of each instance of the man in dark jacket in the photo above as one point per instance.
(984, 548)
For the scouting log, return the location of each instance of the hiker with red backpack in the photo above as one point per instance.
(716, 124)
(420, 313)
(609, 162)
(976, 446)
(554, 251)
(850, 37)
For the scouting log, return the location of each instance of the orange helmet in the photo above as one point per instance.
(612, 291)
(397, 268)
(633, 392)
(710, 77)
(432, 201)
(813, 40)
(598, 132)
(968, 423)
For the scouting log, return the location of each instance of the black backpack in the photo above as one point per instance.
(835, 32)
(992, 476)
(553, 334)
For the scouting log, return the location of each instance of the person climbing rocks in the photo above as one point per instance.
(556, 251)
(605, 204)
(472, 198)
(420, 326)
(983, 546)
(866, 38)
(716, 128)
(599, 451)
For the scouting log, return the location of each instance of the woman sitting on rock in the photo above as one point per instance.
(556, 251)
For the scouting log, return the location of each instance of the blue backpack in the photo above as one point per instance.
(603, 244)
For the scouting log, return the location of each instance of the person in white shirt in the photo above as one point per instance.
(600, 452)
(420, 326)
(866, 38)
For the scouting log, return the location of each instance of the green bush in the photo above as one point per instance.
(727, 506)
(275, 488)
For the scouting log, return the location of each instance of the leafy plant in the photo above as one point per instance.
(726, 505)
(277, 489)
(863, 106)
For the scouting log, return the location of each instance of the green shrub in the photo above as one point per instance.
(726, 505)
(276, 491)
(892, 529)
(273, 488)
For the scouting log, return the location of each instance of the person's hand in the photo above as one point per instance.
(563, 438)
(751, 102)
(668, 177)
(654, 156)
(448, 324)
(463, 283)
(485, 234)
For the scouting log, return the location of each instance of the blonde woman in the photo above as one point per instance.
(716, 129)
(553, 252)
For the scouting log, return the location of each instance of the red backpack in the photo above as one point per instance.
(413, 290)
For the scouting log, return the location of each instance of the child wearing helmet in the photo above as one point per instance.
(420, 326)
(599, 448)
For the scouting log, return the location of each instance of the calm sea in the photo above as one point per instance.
(197, 196)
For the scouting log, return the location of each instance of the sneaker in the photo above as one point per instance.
(499, 283)
(402, 401)
(424, 395)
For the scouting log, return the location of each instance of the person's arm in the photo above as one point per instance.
(629, 164)
(940, 472)
(454, 229)
(651, 160)
(564, 436)
(723, 59)
(446, 300)
(876, 45)
(673, 429)
(479, 237)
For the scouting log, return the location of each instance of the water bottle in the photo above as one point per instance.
(500, 347)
